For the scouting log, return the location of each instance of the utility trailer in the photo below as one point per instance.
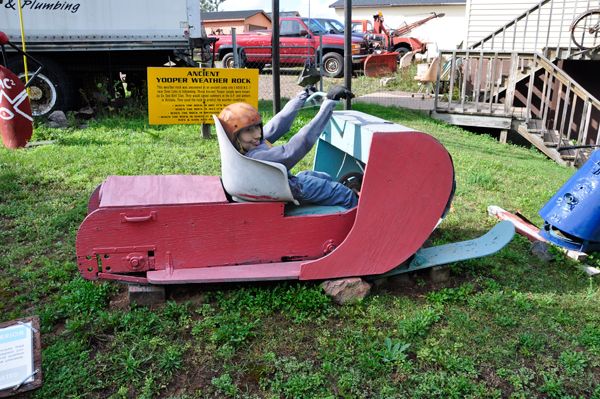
(77, 41)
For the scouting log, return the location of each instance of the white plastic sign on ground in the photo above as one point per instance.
(16, 355)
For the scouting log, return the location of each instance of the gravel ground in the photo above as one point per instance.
(289, 89)
(288, 86)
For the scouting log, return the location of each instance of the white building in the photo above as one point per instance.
(547, 25)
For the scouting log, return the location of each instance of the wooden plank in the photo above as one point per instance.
(531, 232)
(474, 120)
(437, 82)
(512, 82)
(537, 31)
(585, 121)
(463, 93)
(494, 73)
(539, 143)
(478, 78)
(139, 191)
(205, 130)
(224, 274)
(530, 89)
(526, 229)
(546, 92)
(573, 107)
(558, 88)
(503, 136)
(548, 33)
(452, 73)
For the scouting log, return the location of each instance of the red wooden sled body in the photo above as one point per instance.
(183, 229)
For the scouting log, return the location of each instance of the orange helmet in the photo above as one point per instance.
(236, 117)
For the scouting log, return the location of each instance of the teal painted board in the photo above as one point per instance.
(334, 161)
(490, 243)
(352, 132)
(299, 210)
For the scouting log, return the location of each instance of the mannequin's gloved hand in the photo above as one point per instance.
(310, 90)
(339, 92)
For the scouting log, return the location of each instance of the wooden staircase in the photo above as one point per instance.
(547, 141)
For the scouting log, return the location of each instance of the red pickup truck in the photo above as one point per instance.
(298, 40)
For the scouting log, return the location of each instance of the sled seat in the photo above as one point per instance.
(159, 190)
(251, 180)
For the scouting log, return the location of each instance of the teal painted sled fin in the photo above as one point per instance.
(490, 243)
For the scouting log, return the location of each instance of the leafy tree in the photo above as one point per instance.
(210, 5)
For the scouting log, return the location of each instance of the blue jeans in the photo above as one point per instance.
(319, 189)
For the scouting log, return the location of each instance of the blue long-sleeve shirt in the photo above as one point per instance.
(300, 144)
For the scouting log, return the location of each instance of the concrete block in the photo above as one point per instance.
(146, 295)
(402, 278)
(590, 270)
(379, 282)
(439, 274)
(575, 255)
(540, 249)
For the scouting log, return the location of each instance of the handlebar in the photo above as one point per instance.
(315, 95)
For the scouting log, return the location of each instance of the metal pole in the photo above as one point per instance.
(321, 59)
(348, 50)
(275, 58)
(23, 45)
(235, 50)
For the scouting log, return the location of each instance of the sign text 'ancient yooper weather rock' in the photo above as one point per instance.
(193, 95)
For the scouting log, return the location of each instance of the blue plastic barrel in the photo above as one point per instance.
(575, 208)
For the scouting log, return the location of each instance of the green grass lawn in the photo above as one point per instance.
(509, 326)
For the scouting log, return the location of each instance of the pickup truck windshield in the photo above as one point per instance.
(337, 25)
(315, 27)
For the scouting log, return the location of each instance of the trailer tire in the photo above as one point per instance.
(333, 65)
(52, 90)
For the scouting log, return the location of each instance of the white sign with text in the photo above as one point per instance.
(16, 355)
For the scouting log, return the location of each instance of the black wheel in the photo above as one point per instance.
(333, 65)
(51, 90)
(228, 61)
(352, 180)
(401, 51)
(585, 29)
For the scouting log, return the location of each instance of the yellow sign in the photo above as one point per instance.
(193, 95)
